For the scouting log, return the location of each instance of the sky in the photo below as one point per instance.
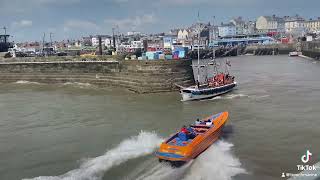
(28, 20)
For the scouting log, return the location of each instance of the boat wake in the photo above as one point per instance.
(78, 84)
(217, 163)
(230, 96)
(94, 169)
(233, 96)
(236, 96)
(26, 82)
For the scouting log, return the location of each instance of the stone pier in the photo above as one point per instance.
(311, 49)
(272, 49)
(137, 76)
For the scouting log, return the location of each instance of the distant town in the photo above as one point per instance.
(238, 31)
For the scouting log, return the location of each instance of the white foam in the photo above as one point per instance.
(217, 97)
(94, 169)
(217, 162)
(165, 172)
(233, 96)
(77, 84)
(26, 82)
(224, 97)
(261, 97)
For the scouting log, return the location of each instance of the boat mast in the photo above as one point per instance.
(199, 32)
(212, 39)
(5, 30)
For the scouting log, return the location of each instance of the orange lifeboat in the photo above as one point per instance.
(183, 147)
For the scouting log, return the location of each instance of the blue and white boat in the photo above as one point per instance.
(205, 91)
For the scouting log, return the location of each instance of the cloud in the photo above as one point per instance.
(132, 23)
(75, 25)
(121, 1)
(22, 24)
(55, 1)
(23, 6)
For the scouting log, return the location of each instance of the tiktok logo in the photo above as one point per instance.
(306, 158)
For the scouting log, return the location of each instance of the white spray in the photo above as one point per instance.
(217, 163)
(26, 82)
(94, 169)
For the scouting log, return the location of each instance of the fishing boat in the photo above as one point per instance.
(220, 83)
(4, 41)
(181, 147)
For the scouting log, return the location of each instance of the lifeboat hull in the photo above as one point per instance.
(191, 94)
(179, 152)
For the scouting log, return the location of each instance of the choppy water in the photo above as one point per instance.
(78, 131)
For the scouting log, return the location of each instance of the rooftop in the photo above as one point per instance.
(294, 18)
(274, 18)
(226, 25)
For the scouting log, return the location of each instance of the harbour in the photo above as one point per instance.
(72, 129)
(119, 90)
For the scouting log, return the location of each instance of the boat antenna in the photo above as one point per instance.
(43, 43)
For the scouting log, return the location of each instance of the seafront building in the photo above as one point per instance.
(295, 23)
(265, 24)
(104, 38)
(265, 29)
(227, 30)
(240, 25)
(313, 25)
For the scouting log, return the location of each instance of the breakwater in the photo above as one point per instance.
(272, 49)
(137, 76)
(311, 49)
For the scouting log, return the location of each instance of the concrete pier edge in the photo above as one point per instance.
(138, 76)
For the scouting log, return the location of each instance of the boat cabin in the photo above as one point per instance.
(182, 139)
(4, 43)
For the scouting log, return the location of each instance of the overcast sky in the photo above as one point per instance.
(68, 19)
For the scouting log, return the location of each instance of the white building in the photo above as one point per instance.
(136, 44)
(95, 40)
(313, 25)
(250, 28)
(108, 42)
(133, 33)
(214, 33)
(240, 25)
(183, 34)
(227, 30)
(294, 24)
(270, 24)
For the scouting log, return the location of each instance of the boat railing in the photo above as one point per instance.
(200, 126)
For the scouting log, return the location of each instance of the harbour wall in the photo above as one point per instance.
(272, 49)
(137, 76)
(311, 49)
